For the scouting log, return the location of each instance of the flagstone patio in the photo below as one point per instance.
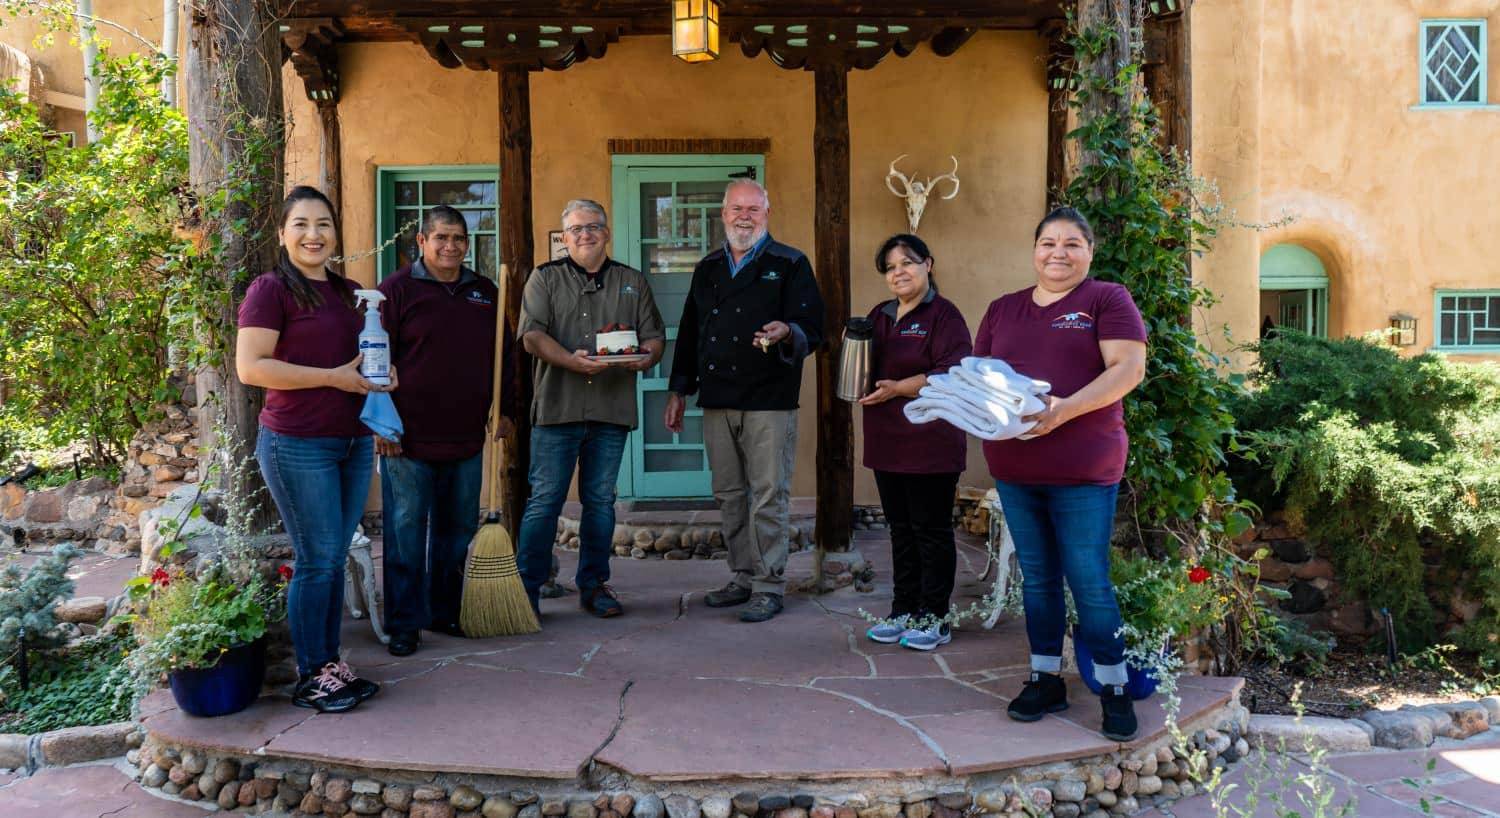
(678, 692)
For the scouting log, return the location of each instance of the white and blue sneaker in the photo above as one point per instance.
(889, 631)
(927, 638)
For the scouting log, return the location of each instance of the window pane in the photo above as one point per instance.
(653, 406)
(1453, 63)
(692, 429)
(1494, 319)
(487, 256)
(664, 366)
(406, 193)
(1461, 328)
(1487, 337)
(408, 218)
(458, 193)
(674, 460)
(471, 220)
(656, 211)
(1447, 337)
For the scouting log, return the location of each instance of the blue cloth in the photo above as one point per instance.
(736, 266)
(319, 485)
(380, 416)
(597, 449)
(1063, 532)
(431, 513)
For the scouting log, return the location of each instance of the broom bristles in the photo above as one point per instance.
(495, 601)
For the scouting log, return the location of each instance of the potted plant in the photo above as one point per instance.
(1159, 600)
(206, 633)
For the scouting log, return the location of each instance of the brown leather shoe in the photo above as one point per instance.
(600, 601)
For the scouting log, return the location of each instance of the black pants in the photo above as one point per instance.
(919, 511)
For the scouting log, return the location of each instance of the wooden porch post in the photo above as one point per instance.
(1059, 69)
(330, 154)
(835, 454)
(1169, 74)
(233, 71)
(517, 253)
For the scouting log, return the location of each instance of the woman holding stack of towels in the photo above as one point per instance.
(1058, 484)
(917, 333)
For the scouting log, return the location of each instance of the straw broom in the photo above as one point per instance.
(494, 600)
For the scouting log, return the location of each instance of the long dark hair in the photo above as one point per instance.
(913, 246)
(1071, 216)
(302, 290)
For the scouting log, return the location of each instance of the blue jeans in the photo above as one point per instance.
(1063, 531)
(430, 511)
(319, 485)
(597, 449)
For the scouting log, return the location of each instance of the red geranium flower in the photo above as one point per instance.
(1198, 574)
(285, 572)
(160, 577)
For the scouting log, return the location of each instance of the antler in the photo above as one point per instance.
(906, 183)
(951, 176)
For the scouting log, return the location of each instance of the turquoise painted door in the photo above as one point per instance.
(667, 219)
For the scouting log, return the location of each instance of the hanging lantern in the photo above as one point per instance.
(695, 30)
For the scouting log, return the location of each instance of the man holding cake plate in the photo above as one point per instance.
(591, 324)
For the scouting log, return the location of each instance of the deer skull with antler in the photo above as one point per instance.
(916, 193)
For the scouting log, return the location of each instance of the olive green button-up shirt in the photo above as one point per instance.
(571, 306)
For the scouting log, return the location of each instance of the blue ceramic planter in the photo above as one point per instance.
(227, 687)
(1139, 683)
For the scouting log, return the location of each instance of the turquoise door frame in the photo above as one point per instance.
(664, 242)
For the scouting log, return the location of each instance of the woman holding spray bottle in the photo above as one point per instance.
(298, 338)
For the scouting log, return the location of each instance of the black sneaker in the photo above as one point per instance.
(362, 688)
(324, 691)
(600, 601)
(1044, 693)
(727, 597)
(762, 607)
(403, 643)
(1119, 714)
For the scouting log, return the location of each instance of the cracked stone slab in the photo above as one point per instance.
(252, 727)
(915, 697)
(757, 731)
(801, 644)
(466, 719)
(1151, 713)
(987, 740)
(87, 792)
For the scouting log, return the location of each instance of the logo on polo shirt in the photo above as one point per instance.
(772, 275)
(627, 290)
(477, 297)
(1073, 320)
(914, 330)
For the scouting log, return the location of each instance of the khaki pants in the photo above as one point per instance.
(751, 456)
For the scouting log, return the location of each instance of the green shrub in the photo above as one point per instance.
(29, 600)
(68, 689)
(1388, 464)
(94, 272)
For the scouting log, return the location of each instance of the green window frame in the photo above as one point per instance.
(1454, 71)
(404, 193)
(1466, 321)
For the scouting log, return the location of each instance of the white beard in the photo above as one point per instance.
(743, 245)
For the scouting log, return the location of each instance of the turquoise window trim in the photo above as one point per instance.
(1437, 325)
(386, 177)
(1483, 58)
(1464, 106)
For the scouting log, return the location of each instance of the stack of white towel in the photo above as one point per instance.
(982, 396)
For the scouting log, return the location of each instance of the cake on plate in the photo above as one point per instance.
(617, 339)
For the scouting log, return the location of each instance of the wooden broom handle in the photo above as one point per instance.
(490, 439)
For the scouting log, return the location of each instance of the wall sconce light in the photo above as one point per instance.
(1403, 330)
(695, 30)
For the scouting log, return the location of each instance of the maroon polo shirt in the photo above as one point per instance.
(325, 337)
(443, 348)
(1059, 344)
(930, 339)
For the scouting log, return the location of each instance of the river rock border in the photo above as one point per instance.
(1119, 783)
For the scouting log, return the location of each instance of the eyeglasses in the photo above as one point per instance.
(579, 229)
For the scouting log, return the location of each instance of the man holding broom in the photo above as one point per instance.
(584, 404)
(441, 319)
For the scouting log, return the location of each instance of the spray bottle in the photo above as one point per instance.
(374, 342)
